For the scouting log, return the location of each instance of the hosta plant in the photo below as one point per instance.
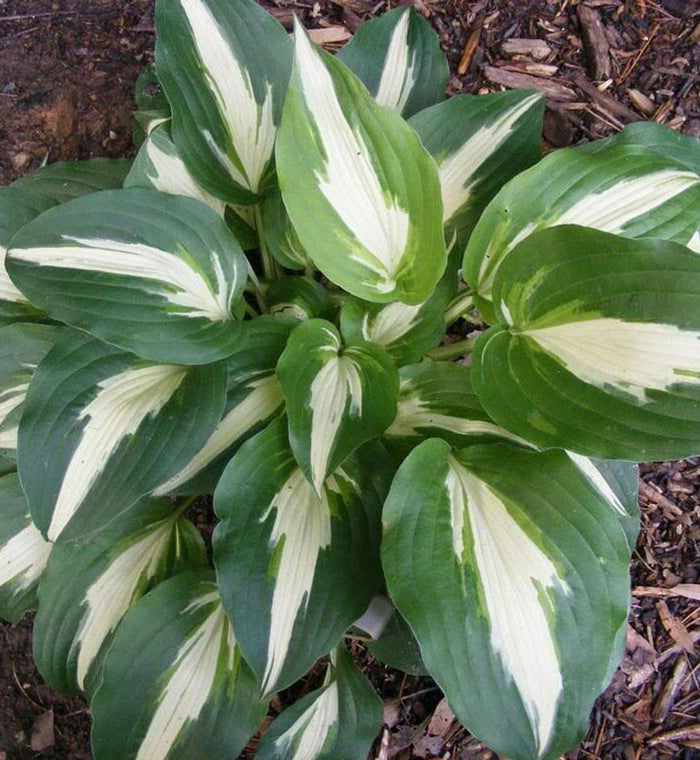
(256, 308)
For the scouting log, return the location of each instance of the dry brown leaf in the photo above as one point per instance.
(330, 35)
(442, 720)
(676, 630)
(43, 732)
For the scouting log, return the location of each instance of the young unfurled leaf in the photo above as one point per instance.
(224, 67)
(337, 396)
(299, 298)
(592, 357)
(152, 273)
(361, 191)
(295, 569)
(479, 143)
(24, 552)
(174, 682)
(526, 569)
(90, 583)
(437, 399)
(22, 347)
(280, 238)
(626, 190)
(339, 720)
(96, 424)
(398, 58)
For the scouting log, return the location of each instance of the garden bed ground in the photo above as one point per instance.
(67, 70)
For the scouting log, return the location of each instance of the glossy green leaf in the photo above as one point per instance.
(91, 582)
(153, 273)
(398, 57)
(337, 396)
(627, 190)
(361, 191)
(479, 143)
(95, 427)
(299, 298)
(339, 721)
(295, 569)
(592, 358)
(436, 399)
(224, 67)
(526, 570)
(23, 552)
(174, 682)
(22, 347)
(397, 647)
(280, 238)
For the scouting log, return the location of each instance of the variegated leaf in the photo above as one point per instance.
(224, 67)
(361, 191)
(479, 143)
(337, 396)
(526, 567)
(22, 347)
(280, 238)
(156, 274)
(591, 357)
(339, 720)
(295, 569)
(299, 298)
(24, 552)
(407, 332)
(174, 683)
(626, 190)
(90, 583)
(95, 424)
(437, 399)
(398, 57)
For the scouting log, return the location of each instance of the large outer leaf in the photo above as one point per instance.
(90, 583)
(398, 58)
(626, 190)
(253, 397)
(23, 552)
(22, 347)
(601, 353)
(525, 567)
(295, 570)
(152, 273)
(174, 684)
(479, 143)
(337, 397)
(224, 67)
(95, 427)
(339, 721)
(362, 192)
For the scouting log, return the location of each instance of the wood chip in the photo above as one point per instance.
(670, 509)
(531, 67)
(641, 102)
(607, 102)
(676, 630)
(43, 732)
(516, 81)
(667, 698)
(330, 35)
(468, 53)
(538, 50)
(687, 590)
(595, 41)
(678, 734)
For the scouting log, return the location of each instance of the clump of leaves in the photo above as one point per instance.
(258, 313)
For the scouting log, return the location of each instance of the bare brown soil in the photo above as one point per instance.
(67, 69)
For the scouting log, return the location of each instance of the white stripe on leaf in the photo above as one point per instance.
(177, 282)
(23, 558)
(263, 401)
(337, 383)
(516, 576)
(596, 479)
(190, 682)
(633, 357)
(8, 290)
(170, 175)
(304, 520)
(120, 406)
(112, 593)
(249, 123)
(399, 72)
(391, 323)
(309, 732)
(11, 398)
(348, 178)
(457, 169)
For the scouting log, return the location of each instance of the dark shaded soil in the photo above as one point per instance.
(67, 70)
